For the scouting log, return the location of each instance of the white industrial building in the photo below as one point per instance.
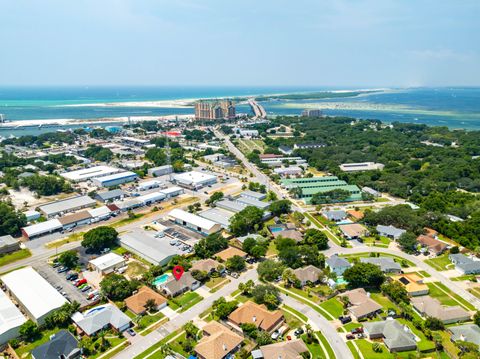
(71, 204)
(253, 202)
(254, 195)
(218, 215)
(288, 171)
(172, 191)
(32, 215)
(128, 204)
(33, 293)
(11, 318)
(160, 171)
(107, 263)
(155, 250)
(143, 186)
(100, 213)
(151, 198)
(89, 173)
(115, 179)
(362, 166)
(39, 229)
(278, 161)
(194, 222)
(194, 180)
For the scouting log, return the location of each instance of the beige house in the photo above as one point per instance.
(307, 274)
(136, 303)
(258, 315)
(431, 307)
(229, 253)
(361, 305)
(217, 342)
(285, 350)
(206, 265)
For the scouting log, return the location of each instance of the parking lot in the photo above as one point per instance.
(182, 234)
(59, 281)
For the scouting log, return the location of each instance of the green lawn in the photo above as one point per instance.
(213, 282)
(326, 344)
(383, 242)
(315, 349)
(383, 300)
(469, 277)
(156, 346)
(317, 223)
(292, 321)
(440, 263)
(272, 249)
(424, 344)
(14, 256)
(296, 312)
(176, 345)
(423, 274)
(25, 348)
(303, 293)
(349, 326)
(367, 254)
(333, 306)
(148, 320)
(353, 350)
(437, 289)
(187, 300)
(436, 292)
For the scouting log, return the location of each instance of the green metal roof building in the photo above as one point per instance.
(312, 185)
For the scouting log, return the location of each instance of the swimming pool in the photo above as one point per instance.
(275, 229)
(161, 279)
(340, 280)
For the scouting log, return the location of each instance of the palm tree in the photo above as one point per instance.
(166, 349)
(150, 305)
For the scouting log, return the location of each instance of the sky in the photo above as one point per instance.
(349, 43)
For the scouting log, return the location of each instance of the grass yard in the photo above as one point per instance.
(14, 256)
(176, 345)
(315, 349)
(186, 300)
(424, 344)
(349, 326)
(353, 350)
(320, 226)
(469, 277)
(213, 282)
(440, 263)
(303, 293)
(383, 242)
(148, 320)
(325, 343)
(397, 259)
(446, 295)
(475, 292)
(302, 316)
(26, 348)
(155, 347)
(135, 269)
(423, 274)
(272, 249)
(333, 306)
(383, 300)
(60, 242)
(292, 321)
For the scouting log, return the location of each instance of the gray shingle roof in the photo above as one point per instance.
(386, 264)
(465, 263)
(337, 262)
(394, 334)
(62, 344)
(390, 231)
(467, 332)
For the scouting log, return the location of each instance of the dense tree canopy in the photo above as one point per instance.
(280, 207)
(12, 220)
(364, 275)
(210, 245)
(99, 238)
(246, 221)
(117, 287)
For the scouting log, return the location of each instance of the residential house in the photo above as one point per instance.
(361, 306)
(353, 231)
(289, 233)
(137, 302)
(390, 231)
(173, 287)
(413, 283)
(431, 244)
(308, 274)
(206, 265)
(335, 215)
(396, 337)
(217, 342)
(337, 264)
(258, 315)
(355, 215)
(101, 317)
(431, 307)
(465, 264)
(61, 345)
(466, 332)
(292, 349)
(229, 253)
(386, 264)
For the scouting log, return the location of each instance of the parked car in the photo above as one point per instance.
(86, 288)
(95, 298)
(345, 319)
(131, 332)
(235, 275)
(79, 282)
(298, 332)
(350, 336)
(72, 276)
(357, 330)
(56, 264)
(173, 243)
(275, 335)
(62, 270)
(105, 251)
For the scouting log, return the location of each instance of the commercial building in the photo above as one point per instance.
(132, 141)
(253, 195)
(171, 192)
(146, 185)
(128, 204)
(218, 215)
(288, 171)
(100, 213)
(89, 173)
(214, 109)
(314, 112)
(8, 244)
(42, 228)
(230, 205)
(306, 187)
(32, 215)
(62, 345)
(75, 219)
(115, 179)
(194, 180)
(10, 319)
(33, 293)
(362, 166)
(150, 198)
(71, 204)
(102, 317)
(194, 222)
(107, 263)
(109, 196)
(308, 146)
(253, 202)
(160, 171)
(154, 250)
(279, 161)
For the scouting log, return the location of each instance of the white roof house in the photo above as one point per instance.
(98, 318)
(194, 179)
(10, 319)
(41, 228)
(33, 293)
(194, 222)
(107, 263)
(88, 173)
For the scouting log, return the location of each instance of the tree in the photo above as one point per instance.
(29, 331)
(223, 309)
(210, 245)
(246, 221)
(408, 242)
(200, 275)
(99, 238)
(434, 324)
(68, 259)
(476, 318)
(280, 207)
(117, 287)
(364, 275)
(270, 270)
(266, 294)
(61, 316)
(271, 196)
(216, 196)
(150, 305)
(255, 248)
(190, 329)
(396, 292)
(263, 338)
(333, 196)
(235, 264)
(12, 220)
(316, 237)
(247, 287)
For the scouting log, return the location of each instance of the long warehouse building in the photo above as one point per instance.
(71, 204)
(33, 293)
(89, 173)
(115, 179)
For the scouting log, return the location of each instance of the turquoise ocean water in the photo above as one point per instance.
(451, 107)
